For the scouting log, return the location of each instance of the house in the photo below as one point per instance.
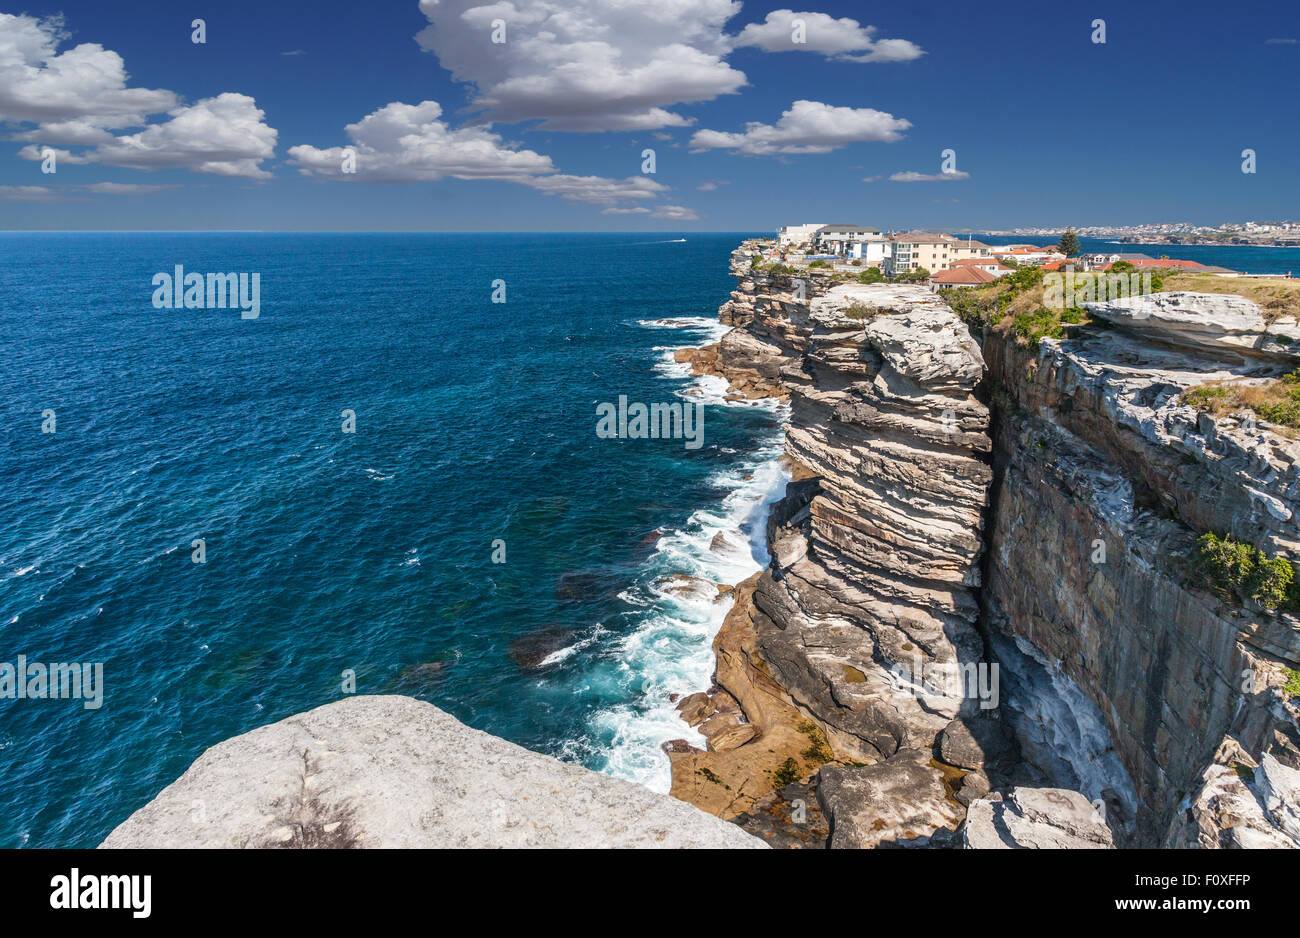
(962, 275)
(797, 234)
(990, 264)
(1028, 254)
(841, 239)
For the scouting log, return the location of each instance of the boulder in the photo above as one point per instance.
(396, 772)
(899, 802)
(1053, 818)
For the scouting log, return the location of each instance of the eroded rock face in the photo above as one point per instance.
(875, 571)
(1104, 482)
(397, 772)
(1043, 818)
(867, 615)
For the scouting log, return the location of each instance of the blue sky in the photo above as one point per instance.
(545, 130)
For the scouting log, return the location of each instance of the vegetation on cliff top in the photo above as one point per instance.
(1277, 401)
(1236, 570)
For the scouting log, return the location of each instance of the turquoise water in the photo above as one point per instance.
(369, 551)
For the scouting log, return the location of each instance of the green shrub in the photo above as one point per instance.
(871, 275)
(1292, 686)
(819, 264)
(1034, 327)
(1234, 569)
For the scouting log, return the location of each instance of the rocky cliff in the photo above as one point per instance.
(979, 598)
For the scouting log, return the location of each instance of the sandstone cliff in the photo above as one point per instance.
(1050, 533)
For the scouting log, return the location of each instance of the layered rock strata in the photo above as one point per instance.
(1133, 698)
(865, 622)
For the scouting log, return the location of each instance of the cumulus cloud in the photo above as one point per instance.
(76, 98)
(410, 143)
(807, 127)
(928, 177)
(842, 38)
(585, 65)
(225, 136)
(76, 95)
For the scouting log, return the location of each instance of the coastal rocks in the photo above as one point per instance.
(1241, 803)
(396, 772)
(774, 745)
(901, 802)
(874, 570)
(867, 613)
(1040, 818)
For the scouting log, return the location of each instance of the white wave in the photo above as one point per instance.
(670, 652)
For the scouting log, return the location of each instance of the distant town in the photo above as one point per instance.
(1260, 234)
(945, 261)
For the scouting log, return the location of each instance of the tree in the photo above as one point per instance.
(1069, 243)
(872, 275)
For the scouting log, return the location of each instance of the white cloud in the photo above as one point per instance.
(674, 213)
(807, 127)
(834, 38)
(410, 143)
(27, 194)
(586, 65)
(928, 177)
(76, 95)
(125, 188)
(225, 136)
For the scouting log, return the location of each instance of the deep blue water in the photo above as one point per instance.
(370, 551)
(1245, 258)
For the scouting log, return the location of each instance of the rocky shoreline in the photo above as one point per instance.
(945, 517)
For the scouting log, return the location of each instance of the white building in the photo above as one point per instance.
(797, 234)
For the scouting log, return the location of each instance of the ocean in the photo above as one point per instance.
(1245, 258)
(372, 553)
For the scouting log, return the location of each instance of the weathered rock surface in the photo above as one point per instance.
(1125, 673)
(1044, 818)
(1219, 323)
(901, 802)
(396, 772)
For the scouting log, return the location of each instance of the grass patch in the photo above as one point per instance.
(1292, 686)
(1277, 402)
(1275, 297)
(859, 310)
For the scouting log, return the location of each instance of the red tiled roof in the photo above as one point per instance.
(963, 274)
(982, 261)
